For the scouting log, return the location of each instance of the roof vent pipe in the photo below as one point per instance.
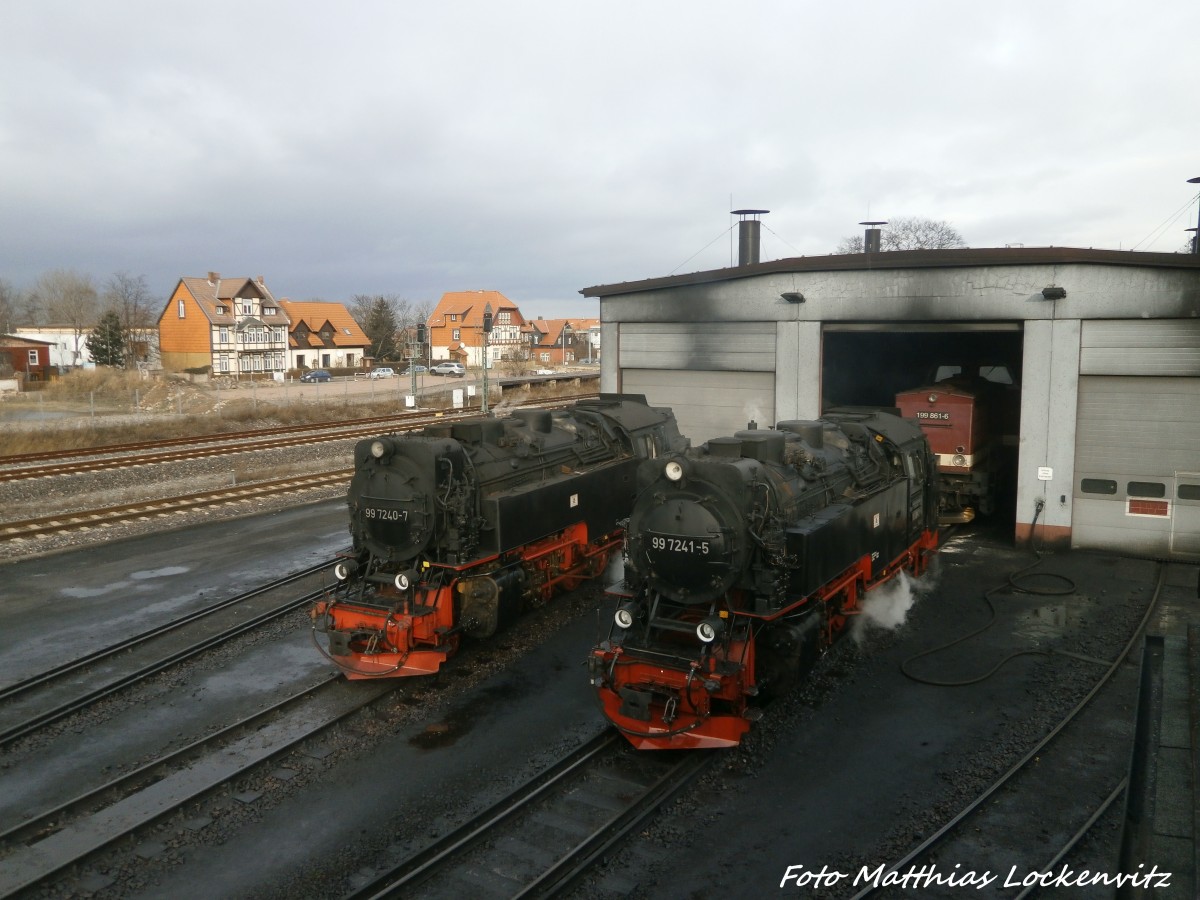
(872, 237)
(749, 229)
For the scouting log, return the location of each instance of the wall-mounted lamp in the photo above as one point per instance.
(792, 296)
(1053, 293)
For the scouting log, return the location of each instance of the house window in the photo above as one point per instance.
(244, 363)
(221, 310)
(182, 310)
(269, 310)
(33, 361)
(224, 334)
(453, 317)
(247, 309)
(278, 333)
(224, 363)
(454, 335)
(504, 318)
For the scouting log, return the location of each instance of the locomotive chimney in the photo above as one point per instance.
(872, 238)
(749, 229)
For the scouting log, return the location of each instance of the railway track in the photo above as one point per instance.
(33, 852)
(36, 702)
(144, 453)
(545, 834)
(148, 509)
(1057, 777)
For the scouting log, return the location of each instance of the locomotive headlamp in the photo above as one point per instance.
(624, 617)
(673, 470)
(344, 570)
(402, 581)
(958, 460)
(933, 398)
(707, 630)
(379, 449)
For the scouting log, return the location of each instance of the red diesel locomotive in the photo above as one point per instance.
(456, 528)
(745, 558)
(958, 416)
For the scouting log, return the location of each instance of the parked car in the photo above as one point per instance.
(449, 368)
(545, 372)
(316, 375)
(419, 370)
(382, 372)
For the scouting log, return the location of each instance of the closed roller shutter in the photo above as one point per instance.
(716, 376)
(707, 404)
(1137, 465)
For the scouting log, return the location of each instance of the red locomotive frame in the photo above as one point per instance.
(709, 702)
(423, 627)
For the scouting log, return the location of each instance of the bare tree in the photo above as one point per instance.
(129, 297)
(68, 298)
(9, 302)
(909, 233)
(405, 314)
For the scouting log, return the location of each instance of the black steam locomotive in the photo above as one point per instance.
(745, 558)
(457, 527)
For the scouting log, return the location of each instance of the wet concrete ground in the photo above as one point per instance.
(843, 773)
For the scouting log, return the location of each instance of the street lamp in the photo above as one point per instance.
(487, 330)
(1196, 236)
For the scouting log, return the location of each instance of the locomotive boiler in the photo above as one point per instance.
(745, 558)
(458, 527)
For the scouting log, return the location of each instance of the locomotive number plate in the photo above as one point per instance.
(678, 545)
(938, 416)
(379, 514)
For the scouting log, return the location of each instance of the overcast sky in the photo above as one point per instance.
(540, 148)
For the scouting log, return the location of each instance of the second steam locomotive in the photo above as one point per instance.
(746, 557)
(459, 526)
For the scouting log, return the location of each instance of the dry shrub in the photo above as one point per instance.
(100, 382)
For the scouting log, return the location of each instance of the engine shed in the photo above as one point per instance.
(1092, 357)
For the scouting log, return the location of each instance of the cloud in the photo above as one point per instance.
(538, 148)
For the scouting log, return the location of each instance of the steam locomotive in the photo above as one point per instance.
(459, 526)
(746, 557)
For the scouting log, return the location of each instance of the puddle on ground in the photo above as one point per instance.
(460, 721)
(164, 572)
(1054, 618)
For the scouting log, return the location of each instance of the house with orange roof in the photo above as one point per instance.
(563, 341)
(233, 325)
(456, 328)
(322, 335)
(237, 327)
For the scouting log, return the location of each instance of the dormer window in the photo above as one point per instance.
(269, 310)
(453, 317)
(221, 310)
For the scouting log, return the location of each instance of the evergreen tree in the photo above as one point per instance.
(380, 327)
(106, 343)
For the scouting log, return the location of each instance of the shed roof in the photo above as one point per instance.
(908, 259)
